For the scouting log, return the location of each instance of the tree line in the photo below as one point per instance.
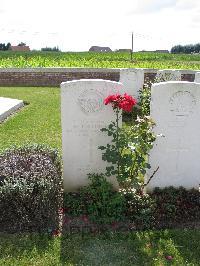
(50, 49)
(4, 47)
(186, 49)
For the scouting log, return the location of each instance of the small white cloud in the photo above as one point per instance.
(187, 4)
(146, 6)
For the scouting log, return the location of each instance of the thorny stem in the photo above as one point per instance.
(117, 143)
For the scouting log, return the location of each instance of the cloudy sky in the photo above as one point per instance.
(76, 25)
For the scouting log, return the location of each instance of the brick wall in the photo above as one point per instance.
(52, 77)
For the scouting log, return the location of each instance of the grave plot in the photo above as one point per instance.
(9, 106)
(83, 114)
(175, 109)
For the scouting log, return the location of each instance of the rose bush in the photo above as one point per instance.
(127, 152)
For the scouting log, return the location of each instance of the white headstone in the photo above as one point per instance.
(83, 114)
(168, 75)
(133, 80)
(197, 77)
(175, 109)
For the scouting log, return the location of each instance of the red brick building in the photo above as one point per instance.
(20, 48)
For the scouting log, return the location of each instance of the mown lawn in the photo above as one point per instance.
(169, 247)
(37, 122)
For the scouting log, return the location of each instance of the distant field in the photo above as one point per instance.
(98, 60)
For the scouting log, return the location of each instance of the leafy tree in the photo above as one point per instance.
(22, 44)
(186, 49)
(50, 49)
(4, 47)
(8, 46)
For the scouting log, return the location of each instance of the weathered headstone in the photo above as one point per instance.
(175, 109)
(168, 75)
(83, 115)
(133, 80)
(197, 77)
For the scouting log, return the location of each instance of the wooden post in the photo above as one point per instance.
(132, 46)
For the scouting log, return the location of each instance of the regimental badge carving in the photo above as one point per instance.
(182, 103)
(91, 101)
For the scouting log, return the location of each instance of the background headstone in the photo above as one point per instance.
(132, 80)
(167, 75)
(83, 114)
(175, 109)
(197, 77)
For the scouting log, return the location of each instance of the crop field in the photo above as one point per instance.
(99, 60)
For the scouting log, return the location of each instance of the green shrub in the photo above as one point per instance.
(98, 201)
(144, 100)
(103, 204)
(163, 208)
(139, 208)
(30, 189)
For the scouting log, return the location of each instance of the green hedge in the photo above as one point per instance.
(30, 189)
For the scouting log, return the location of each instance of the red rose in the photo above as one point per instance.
(124, 102)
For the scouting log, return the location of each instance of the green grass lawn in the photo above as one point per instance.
(37, 122)
(137, 248)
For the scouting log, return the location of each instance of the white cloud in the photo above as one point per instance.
(77, 25)
(187, 4)
(147, 6)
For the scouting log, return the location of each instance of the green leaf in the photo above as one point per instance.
(101, 148)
